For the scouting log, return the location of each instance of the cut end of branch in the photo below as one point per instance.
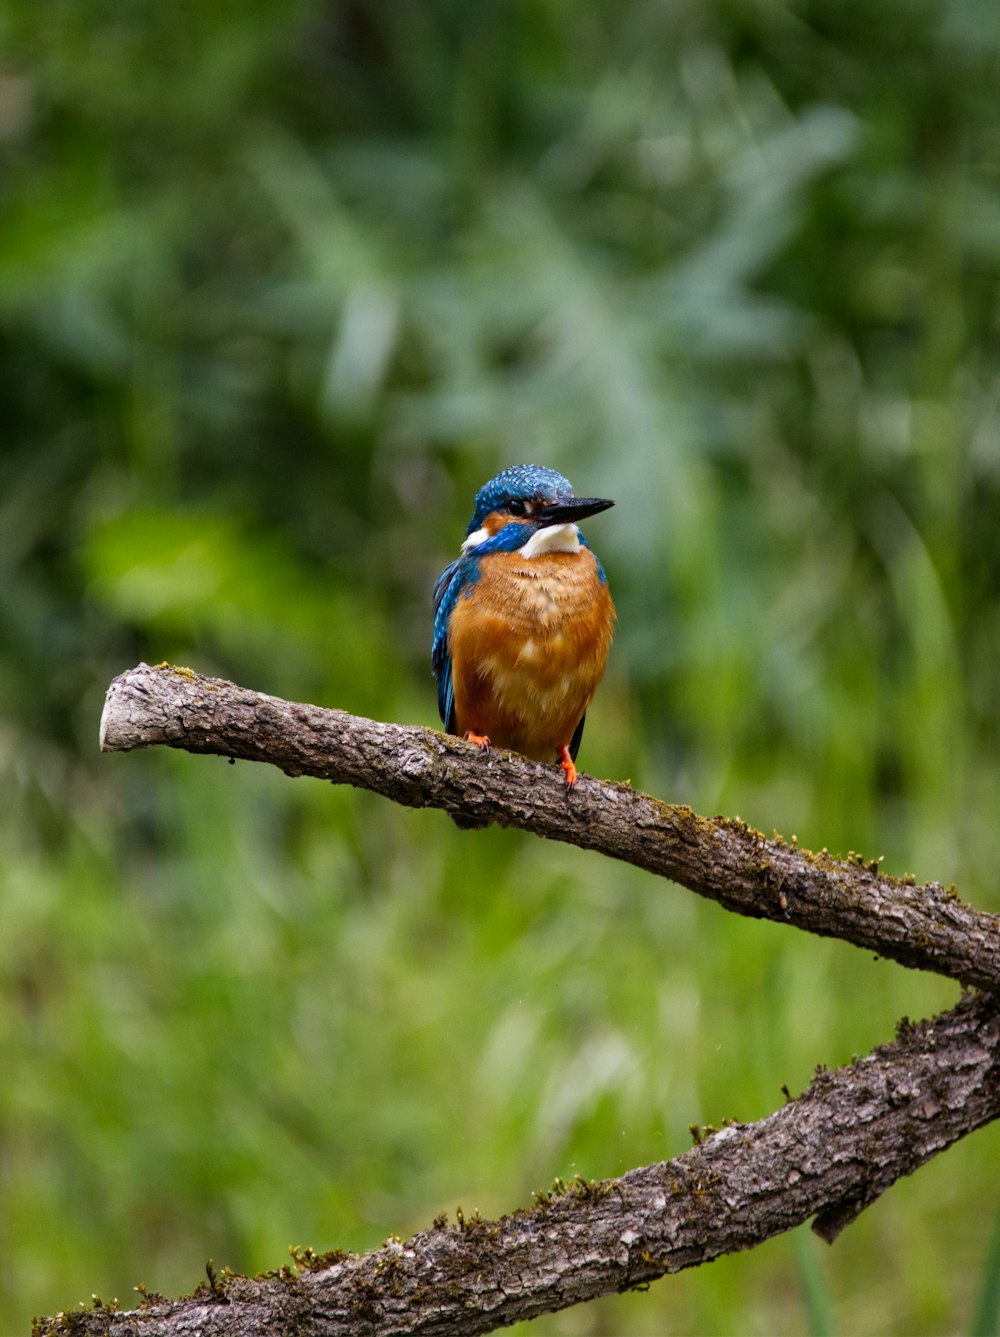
(103, 741)
(132, 716)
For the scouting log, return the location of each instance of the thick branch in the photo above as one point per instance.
(828, 1154)
(926, 927)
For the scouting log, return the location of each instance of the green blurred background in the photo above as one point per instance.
(281, 284)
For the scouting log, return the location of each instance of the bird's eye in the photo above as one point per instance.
(518, 507)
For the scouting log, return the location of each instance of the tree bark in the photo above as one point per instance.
(723, 859)
(827, 1154)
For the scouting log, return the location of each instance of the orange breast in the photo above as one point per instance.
(528, 647)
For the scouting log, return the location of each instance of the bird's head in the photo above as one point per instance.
(531, 496)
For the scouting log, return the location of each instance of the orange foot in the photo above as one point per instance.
(568, 767)
(480, 740)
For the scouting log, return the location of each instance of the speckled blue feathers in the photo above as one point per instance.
(522, 482)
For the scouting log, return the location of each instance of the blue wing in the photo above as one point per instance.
(450, 583)
(457, 579)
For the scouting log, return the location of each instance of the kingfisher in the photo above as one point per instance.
(523, 620)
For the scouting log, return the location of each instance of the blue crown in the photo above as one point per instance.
(523, 482)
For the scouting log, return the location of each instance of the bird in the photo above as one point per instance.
(523, 620)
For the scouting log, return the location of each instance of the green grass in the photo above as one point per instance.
(278, 291)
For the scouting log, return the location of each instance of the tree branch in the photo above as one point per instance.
(829, 1154)
(926, 927)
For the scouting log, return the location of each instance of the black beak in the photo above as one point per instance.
(563, 512)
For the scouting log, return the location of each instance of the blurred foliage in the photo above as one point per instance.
(281, 285)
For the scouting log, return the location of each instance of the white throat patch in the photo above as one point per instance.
(553, 538)
(474, 540)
